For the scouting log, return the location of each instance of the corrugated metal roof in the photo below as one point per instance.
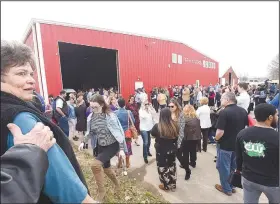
(104, 30)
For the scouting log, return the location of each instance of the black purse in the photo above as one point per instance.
(235, 179)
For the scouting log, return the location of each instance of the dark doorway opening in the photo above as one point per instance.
(229, 78)
(84, 67)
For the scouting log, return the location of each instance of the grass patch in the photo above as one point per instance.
(131, 191)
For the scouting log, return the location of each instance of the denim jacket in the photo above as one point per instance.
(114, 127)
(122, 115)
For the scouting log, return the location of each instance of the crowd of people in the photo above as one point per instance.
(190, 118)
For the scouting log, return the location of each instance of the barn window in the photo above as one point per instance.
(214, 65)
(180, 59)
(174, 58)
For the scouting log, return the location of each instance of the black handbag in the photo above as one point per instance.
(235, 179)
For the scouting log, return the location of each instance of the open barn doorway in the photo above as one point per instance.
(84, 67)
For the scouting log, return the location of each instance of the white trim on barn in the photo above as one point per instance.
(38, 70)
(41, 60)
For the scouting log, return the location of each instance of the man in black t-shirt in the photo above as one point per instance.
(257, 156)
(232, 119)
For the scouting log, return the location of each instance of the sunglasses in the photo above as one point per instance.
(170, 106)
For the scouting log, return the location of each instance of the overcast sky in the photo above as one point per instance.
(244, 35)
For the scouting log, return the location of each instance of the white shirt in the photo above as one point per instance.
(59, 103)
(243, 100)
(199, 96)
(203, 113)
(146, 120)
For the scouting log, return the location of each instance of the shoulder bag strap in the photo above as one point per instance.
(130, 119)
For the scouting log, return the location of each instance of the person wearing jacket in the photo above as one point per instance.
(166, 134)
(132, 106)
(203, 113)
(107, 134)
(211, 97)
(72, 119)
(176, 110)
(125, 117)
(18, 183)
(154, 95)
(80, 111)
(275, 103)
(189, 137)
(17, 85)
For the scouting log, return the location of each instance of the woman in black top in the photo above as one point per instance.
(218, 98)
(80, 111)
(166, 133)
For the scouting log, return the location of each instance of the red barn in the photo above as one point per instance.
(81, 57)
(229, 77)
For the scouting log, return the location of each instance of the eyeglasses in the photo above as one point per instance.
(170, 106)
(147, 104)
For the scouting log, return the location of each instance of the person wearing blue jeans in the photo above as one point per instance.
(146, 125)
(225, 164)
(211, 135)
(232, 119)
(146, 137)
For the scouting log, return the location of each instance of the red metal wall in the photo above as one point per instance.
(146, 58)
(29, 41)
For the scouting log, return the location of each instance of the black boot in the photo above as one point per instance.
(193, 165)
(188, 174)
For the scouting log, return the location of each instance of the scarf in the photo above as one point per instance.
(11, 106)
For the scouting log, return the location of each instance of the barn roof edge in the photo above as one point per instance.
(35, 20)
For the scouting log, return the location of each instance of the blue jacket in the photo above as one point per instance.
(62, 184)
(275, 102)
(122, 115)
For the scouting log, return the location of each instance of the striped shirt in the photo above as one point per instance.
(99, 128)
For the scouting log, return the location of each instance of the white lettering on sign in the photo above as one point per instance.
(207, 64)
(193, 61)
(178, 59)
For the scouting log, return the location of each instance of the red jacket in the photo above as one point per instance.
(212, 95)
(171, 94)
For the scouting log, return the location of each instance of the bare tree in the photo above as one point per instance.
(273, 68)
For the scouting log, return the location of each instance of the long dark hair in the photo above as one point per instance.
(100, 100)
(179, 108)
(166, 126)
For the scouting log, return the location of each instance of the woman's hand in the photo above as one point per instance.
(40, 135)
(81, 146)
